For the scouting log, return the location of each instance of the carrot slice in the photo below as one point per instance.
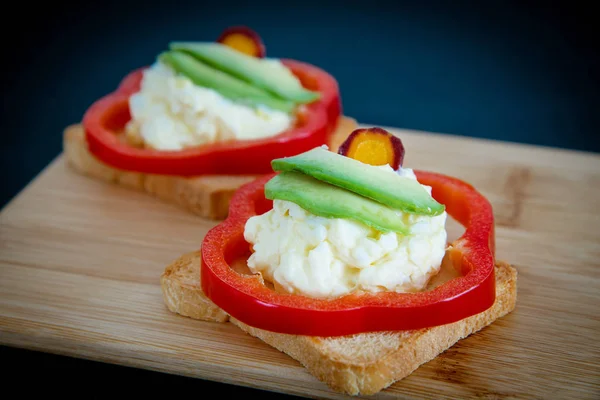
(374, 146)
(244, 40)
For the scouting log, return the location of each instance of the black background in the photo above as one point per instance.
(518, 71)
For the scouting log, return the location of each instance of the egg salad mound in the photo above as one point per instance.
(170, 112)
(302, 253)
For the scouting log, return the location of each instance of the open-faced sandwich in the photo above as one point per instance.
(342, 261)
(204, 119)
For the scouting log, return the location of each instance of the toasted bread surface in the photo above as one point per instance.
(180, 283)
(363, 363)
(207, 196)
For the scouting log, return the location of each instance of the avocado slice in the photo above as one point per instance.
(253, 70)
(227, 85)
(330, 201)
(390, 189)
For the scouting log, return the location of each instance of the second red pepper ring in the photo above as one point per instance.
(248, 299)
(107, 116)
(314, 78)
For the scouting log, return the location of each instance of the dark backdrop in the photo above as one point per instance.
(513, 71)
(517, 71)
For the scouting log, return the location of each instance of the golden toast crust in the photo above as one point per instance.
(355, 364)
(207, 196)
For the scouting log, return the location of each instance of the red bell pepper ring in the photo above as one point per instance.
(107, 116)
(132, 82)
(248, 299)
(314, 78)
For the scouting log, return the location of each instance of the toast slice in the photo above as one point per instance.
(355, 364)
(207, 196)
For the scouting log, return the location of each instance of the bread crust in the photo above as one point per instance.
(355, 364)
(207, 196)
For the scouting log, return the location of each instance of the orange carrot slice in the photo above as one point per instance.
(374, 146)
(244, 40)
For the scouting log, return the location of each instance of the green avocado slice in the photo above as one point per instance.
(227, 85)
(390, 189)
(255, 71)
(331, 201)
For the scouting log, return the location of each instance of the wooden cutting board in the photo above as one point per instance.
(80, 262)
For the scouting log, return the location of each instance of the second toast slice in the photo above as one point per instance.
(207, 196)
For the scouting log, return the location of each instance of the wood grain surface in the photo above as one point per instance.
(80, 262)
